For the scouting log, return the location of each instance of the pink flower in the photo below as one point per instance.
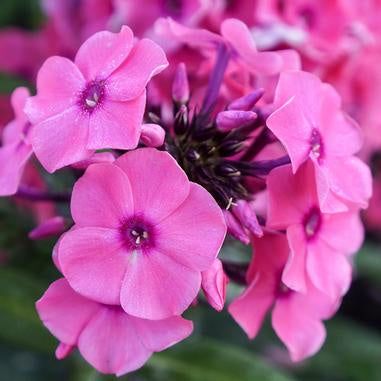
(214, 281)
(49, 228)
(94, 103)
(234, 34)
(16, 149)
(143, 235)
(108, 338)
(319, 242)
(296, 317)
(310, 124)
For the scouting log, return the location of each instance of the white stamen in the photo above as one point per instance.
(316, 150)
(145, 235)
(91, 102)
(138, 239)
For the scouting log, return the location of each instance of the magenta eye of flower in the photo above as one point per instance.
(92, 95)
(312, 222)
(137, 234)
(316, 141)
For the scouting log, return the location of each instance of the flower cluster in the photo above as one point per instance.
(200, 129)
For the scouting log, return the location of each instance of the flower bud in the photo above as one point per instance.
(245, 214)
(228, 120)
(52, 227)
(213, 283)
(152, 135)
(235, 228)
(180, 86)
(246, 102)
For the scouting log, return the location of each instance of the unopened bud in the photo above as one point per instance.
(228, 120)
(180, 86)
(247, 102)
(152, 135)
(50, 228)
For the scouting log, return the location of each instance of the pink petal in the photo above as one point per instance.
(146, 60)
(194, 245)
(303, 335)
(64, 312)
(350, 179)
(342, 135)
(250, 308)
(103, 53)
(94, 262)
(156, 287)
(111, 344)
(214, 283)
(49, 228)
(117, 124)
(158, 184)
(157, 335)
(329, 271)
(63, 350)
(291, 127)
(61, 140)
(290, 196)
(238, 35)
(59, 83)
(18, 99)
(294, 273)
(343, 232)
(13, 158)
(152, 135)
(102, 197)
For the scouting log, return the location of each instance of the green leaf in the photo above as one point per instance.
(208, 360)
(19, 323)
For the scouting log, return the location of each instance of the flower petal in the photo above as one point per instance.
(61, 140)
(158, 183)
(102, 197)
(64, 312)
(195, 245)
(117, 124)
(103, 53)
(59, 83)
(157, 335)
(93, 261)
(110, 342)
(156, 287)
(145, 61)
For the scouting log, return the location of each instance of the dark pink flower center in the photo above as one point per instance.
(316, 142)
(92, 96)
(137, 234)
(312, 222)
(172, 8)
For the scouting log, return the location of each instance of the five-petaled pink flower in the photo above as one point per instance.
(108, 338)
(143, 234)
(308, 120)
(94, 103)
(320, 243)
(16, 149)
(296, 317)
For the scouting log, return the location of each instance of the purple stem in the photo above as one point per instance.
(33, 194)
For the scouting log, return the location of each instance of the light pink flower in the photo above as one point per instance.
(319, 242)
(16, 149)
(94, 103)
(108, 338)
(296, 317)
(309, 122)
(143, 235)
(214, 281)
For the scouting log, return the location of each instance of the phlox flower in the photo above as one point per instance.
(309, 122)
(108, 338)
(16, 148)
(320, 243)
(296, 317)
(143, 234)
(94, 103)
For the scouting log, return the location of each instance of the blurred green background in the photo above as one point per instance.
(217, 351)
